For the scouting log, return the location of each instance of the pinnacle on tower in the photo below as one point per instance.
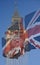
(16, 13)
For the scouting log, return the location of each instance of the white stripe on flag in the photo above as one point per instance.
(8, 41)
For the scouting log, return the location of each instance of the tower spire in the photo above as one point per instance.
(15, 4)
(16, 13)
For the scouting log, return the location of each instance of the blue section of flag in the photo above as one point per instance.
(3, 42)
(28, 18)
(29, 47)
(37, 38)
(38, 19)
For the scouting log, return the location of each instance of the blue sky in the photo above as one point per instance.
(6, 13)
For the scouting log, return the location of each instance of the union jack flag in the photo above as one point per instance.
(32, 26)
(13, 44)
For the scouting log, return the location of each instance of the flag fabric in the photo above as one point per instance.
(13, 43)
(33, 29)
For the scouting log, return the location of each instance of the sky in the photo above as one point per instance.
(6, 12)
